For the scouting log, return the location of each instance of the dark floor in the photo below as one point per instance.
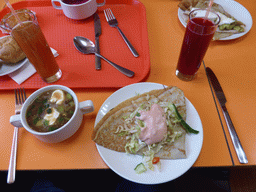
(196, 179)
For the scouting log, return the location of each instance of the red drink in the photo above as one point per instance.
(198, 35)
(74, 2)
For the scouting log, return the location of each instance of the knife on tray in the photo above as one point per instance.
(222, 101)
(97, 29)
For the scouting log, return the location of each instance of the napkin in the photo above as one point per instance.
(26, 71)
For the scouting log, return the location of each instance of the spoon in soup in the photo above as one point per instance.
(86, 46)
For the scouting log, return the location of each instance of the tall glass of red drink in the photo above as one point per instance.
(198, 35)
(31, 40)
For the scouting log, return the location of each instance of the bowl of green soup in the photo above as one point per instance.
(52, 113)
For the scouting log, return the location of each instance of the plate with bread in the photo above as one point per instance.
(142, 154)
(11, 56)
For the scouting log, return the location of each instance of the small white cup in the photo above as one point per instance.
(78, 11)
(61, 133)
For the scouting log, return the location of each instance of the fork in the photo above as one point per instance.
(113, 23)
(20, 97)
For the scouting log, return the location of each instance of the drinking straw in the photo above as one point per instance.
(208, 10)
(13, 11)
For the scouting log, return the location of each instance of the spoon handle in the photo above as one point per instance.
(123, 70)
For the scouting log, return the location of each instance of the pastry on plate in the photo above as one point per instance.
(125, 128)
(151, 124)
(10, 51)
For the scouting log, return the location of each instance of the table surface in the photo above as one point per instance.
(232, 61)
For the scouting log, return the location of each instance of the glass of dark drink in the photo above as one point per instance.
(198, 35)
(31, 40)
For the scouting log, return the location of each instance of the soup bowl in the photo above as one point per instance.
(65, 131)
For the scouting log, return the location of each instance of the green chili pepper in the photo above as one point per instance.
(183, 123)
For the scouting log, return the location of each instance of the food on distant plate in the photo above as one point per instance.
(150, 124)
(228, 24)
(10, 51)
(50, 110)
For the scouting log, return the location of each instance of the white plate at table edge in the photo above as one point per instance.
(123, 164)
(6, 69)
(239, 12)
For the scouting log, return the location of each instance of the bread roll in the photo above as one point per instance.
(10, 51)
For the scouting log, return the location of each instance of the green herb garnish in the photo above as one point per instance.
(49, 110)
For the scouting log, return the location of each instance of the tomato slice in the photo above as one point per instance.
(155, 160)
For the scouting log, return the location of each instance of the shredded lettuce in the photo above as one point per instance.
(132, 128)
(149, 156)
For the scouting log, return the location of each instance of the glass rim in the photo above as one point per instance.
(5, 24)
(214, 24)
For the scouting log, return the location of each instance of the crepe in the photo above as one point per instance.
(10, 51)
(105, 132)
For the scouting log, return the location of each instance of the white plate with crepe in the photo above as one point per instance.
(7, 68)
(123, 164)
(235, 9)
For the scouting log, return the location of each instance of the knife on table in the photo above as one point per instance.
(222, 101)
(97, 29)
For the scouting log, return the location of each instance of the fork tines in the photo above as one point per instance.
(109, 15)
(113, 23)
(20, 95)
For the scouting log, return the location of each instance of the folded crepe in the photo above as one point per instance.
(118, 130)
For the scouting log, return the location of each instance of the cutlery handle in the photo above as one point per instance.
(134, 52)
(12, 163)
(97, 59)
(234, 137)
(123, 70)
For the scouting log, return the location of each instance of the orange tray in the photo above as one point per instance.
(79, 69)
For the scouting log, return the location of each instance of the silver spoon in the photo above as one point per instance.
(86, 46)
